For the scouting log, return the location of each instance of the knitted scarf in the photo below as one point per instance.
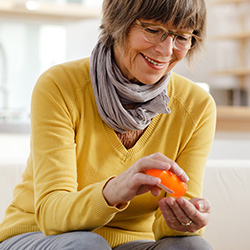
(112, 90)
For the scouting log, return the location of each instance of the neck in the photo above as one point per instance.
(130, 138)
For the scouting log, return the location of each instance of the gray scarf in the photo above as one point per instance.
(112, 90)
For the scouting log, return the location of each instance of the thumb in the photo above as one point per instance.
(202, 205)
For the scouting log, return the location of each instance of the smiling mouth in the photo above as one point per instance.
(152, 61)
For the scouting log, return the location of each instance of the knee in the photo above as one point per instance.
(84, 240)
(187, 243)
(195, 243)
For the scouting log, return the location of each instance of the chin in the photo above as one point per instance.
(150, 80)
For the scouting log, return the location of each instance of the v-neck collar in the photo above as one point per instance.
(125, 153)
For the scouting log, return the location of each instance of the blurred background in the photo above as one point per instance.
(34, 35)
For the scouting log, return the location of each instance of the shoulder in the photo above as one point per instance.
(67, 81)
(64, 87)
(188, 97)
(71, 74)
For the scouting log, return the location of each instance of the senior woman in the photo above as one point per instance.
(97, 126)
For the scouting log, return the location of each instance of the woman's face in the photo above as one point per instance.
(141, 61)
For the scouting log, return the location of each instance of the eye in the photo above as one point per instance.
(183, 38)
(154, 30)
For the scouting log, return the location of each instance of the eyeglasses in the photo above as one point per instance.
(154, 33)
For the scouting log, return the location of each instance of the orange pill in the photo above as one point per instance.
(170, 183)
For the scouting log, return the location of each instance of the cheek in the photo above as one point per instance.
(180, 54)
(135, 45)
(131, 55)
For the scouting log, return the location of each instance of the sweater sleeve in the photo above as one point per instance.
(192, 157)
(59, 205)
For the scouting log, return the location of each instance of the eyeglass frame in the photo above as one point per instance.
(169, 33)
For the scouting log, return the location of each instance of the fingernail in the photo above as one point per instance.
(186, 178)
(151, 156)
(156, 180)
(170, 202)
(180, 201)
(165, 165)
(201, 206)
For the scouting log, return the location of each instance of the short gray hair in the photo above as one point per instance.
(119, 15)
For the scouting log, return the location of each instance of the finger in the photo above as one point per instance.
(189, 209)
(156, 191)
(186, 222)
(201, 204)
(149, 162)
(204, 206)
(174, 167)
(166, 206)
(181, 174)
(180, 214)
(143, 179)
(167, 212)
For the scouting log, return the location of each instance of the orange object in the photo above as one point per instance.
(169, 182)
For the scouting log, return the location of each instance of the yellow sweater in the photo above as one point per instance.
(73, 154)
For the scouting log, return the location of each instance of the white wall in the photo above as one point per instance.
(31, 48)
(231, 146)
(28, 58)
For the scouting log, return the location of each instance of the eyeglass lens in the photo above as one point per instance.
(156, 34)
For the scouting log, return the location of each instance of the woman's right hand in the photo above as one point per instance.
(134, 181)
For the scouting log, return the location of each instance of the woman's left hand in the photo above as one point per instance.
(185, 215)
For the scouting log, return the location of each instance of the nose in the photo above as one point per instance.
(166, 47)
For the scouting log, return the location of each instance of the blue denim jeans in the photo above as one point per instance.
(91, 241)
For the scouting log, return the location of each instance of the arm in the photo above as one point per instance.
(59, 205)
(192, 159)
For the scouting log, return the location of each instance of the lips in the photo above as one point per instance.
(153, 61)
